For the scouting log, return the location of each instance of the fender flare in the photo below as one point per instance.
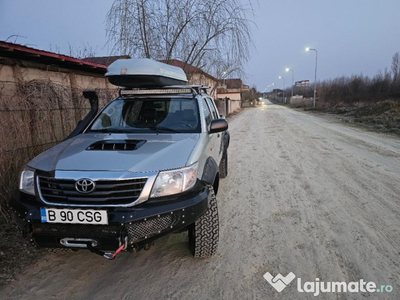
(226, 139)
(210, 171)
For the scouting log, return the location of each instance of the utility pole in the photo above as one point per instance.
(287, 70)
(315, 77)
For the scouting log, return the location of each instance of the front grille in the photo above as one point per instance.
(145, 229)
(76, 231)
(112, 192)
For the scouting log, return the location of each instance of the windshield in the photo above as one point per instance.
(144, 115)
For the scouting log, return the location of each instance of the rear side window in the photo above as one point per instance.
(212, 108)
(207, 114)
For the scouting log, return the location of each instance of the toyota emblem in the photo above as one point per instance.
(85, 185)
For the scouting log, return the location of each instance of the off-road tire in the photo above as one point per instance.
(223, 166)
(204, 233)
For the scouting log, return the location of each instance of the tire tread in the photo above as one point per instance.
(206, 230)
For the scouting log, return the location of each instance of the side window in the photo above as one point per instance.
(207, 114)
(213, 109)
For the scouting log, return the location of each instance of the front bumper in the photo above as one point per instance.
(138, 225)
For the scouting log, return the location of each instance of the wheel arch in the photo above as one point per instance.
(211, 173)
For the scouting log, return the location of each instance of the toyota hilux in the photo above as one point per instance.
(146, 165)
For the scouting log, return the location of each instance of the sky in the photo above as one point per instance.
(352, 37)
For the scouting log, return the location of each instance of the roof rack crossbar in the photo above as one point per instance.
(195, 90)
(204, 88)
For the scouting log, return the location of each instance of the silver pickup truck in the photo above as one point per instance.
(147, 165)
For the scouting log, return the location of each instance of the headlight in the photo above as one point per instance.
(174, 181)
(27, 181)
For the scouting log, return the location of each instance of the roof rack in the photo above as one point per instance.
(170, 89)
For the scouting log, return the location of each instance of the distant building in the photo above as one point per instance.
(232, 89)
(196, 76)
(277, 91)
(303, 83)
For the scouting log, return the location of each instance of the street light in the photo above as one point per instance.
(287, 70)
(315, 78)
(272, 84)
(283, 93)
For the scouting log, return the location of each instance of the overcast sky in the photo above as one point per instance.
(352, 36)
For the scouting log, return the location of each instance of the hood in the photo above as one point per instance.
(155, 152)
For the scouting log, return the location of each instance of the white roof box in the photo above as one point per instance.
(144, 73)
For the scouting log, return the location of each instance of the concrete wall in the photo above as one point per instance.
(227, 106)
(235, 105)
(39, 108)
(230, 95)
(52, 101)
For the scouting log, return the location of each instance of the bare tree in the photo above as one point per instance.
(82, 52)
(211, 34)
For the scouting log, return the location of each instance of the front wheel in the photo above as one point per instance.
(204, 233)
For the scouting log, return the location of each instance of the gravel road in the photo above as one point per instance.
(304, 194)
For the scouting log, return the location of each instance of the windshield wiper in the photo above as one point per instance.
(163, 129)
(130, 130)
(110, 130)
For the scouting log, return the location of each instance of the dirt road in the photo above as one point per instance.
(304, 195)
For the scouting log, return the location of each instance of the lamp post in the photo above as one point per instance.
(223, 75)
(283, 91)
(315, 78)
(287, 70)
(272, 84)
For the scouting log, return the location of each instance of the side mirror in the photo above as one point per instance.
(218, 125)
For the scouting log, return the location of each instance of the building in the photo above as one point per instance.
(302, 83)
(105, 60)
(232, 89)
(44, 89)
(196, 76)
(20, 65)
(41, 102)
(32, 79)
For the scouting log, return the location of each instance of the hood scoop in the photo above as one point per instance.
(117, 145)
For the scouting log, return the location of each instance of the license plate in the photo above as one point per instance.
(74, 216)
